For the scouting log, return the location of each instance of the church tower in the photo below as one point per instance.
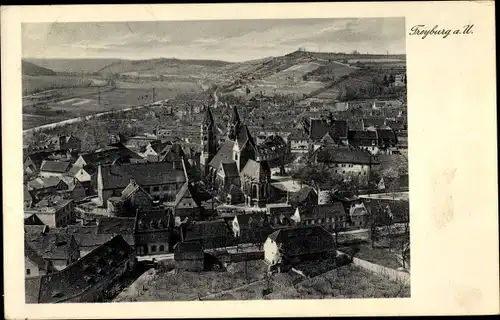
(234, 125)
(208, 140)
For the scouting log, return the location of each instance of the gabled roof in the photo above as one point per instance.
(36, 229)
(184, 195)
(159, 145)
(109, 155)
(303, 240)
(376, 122)
(361, 135)
(235, 117)
(326, 210)
(386, 134)
(71, 182)
(86, 272)
(50, 245)
(145, 174)
(42, 183)
(209, 118)
(224, 154)
(244, 137)
(256, 170)
(254, 219)
(297, 135)
(319, 127)
(132, 188)
(230, 169)
(73, 171)
(154, 219)
(36, 258)
(199, 230)
(55, 166)
(341, 155)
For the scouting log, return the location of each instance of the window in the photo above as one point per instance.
(156, 189)
(28, 271)
(153, 248)
(236, 157)
(162, 248)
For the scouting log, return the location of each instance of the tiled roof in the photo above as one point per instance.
(42, 183)
(88, 271)
(256, 170)
(145, 174)
(50, 245)
(109, 155)
(159, 145)
(230, 169)
(36, 229)
(36, 258)
(224, 154)
(340, 155)
(155, 219)
(244, 137)
(199, 230)
(320, 127)
(386, 134)
(184, 195)
(374, 122)
(32, 289)
(303, 240)
(55, 166)
(297, 135)
(301, 195)
(360, 135)
(254, 219)
(326, 210)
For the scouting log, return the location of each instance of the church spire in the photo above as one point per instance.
(209, 119)
(234, 124)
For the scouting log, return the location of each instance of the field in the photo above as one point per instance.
(76, 102)
(34, 84)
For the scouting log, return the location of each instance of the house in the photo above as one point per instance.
(255, 182)
(64, 143)
(154, 149)
(185, 204)
(373, 122)
(293, 245)
(388, 210)
(299, 142)
(54, 212)
(51, 168)
(116, 153)
(318, 128)
(34, 264)
(43, 187)
(28, 198)
(136, 143)
(82, 175)
(251, 227)
(160, 179)
(32, 219)
(274, 150)
(325, 215)
(358, 215)
(60, 249)
(74, 189)
(189, 256)
(346, 161)
(386, 138)
(365, 140)
(279, 214)
(227, 175)
(211, 234)
(91, 237)
(88, 279)
(153, 231)
(132, 198)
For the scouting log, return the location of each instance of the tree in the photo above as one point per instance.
(373, 223)
(386, 81)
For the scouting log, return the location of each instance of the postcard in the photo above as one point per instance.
(236, 160)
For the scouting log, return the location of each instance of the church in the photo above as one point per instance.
(237, 162)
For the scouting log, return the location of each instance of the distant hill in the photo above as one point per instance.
(76, 66)
(31, 69)
(161, 66)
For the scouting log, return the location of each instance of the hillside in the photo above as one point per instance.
(72, 65)
(31, 69)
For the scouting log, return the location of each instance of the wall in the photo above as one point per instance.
(391, 274)
(45, 174)
(48, 219)
(34, 270)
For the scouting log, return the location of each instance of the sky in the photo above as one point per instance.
(228, 40)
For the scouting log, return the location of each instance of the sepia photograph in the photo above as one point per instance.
(215, 160)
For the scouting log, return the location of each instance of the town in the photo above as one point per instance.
(238, 191)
